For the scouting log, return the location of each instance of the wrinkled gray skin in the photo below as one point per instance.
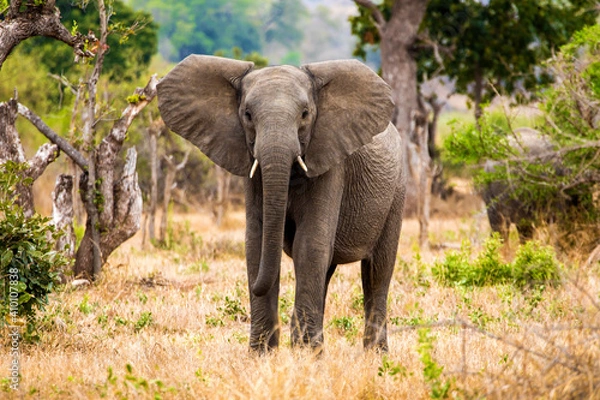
(503, 209)
(346, 207)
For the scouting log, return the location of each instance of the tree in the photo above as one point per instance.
(394, 25)
(570, 169)
(112, 199)
(498, 42)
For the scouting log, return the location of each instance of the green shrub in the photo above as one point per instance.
(28, 264)
(534, 265)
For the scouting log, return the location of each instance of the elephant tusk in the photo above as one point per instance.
(302, 165)
(253, 169)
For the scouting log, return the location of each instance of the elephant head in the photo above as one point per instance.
(243, 118)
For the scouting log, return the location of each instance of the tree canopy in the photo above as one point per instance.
(498, 41)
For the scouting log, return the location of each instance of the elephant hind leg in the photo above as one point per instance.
(376, 274)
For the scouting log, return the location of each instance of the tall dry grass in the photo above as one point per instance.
(173, 324)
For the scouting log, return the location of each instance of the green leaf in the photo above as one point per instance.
(6, 258)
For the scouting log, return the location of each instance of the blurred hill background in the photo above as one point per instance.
(284, 31)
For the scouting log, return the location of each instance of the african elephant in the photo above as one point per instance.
(323, 178)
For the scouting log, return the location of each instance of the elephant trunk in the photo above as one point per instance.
(275, 166)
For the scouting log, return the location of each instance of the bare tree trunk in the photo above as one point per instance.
(222, 201)
(62, 214)
(12, 150)
(399, 69)
(172, 170)
(76, 171)
(422, 173)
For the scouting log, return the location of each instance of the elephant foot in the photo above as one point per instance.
(304, 338)
(376, 339)
(378, 347)
(264, 343)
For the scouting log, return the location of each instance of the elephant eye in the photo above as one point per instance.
(248, 115)
(304, 114)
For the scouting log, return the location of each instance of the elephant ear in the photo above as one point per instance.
(353, 105)
(198, 100)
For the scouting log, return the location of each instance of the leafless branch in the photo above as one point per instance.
(45, 155)
(62, 144)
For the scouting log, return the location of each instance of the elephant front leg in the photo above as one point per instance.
(264, 317)
(264, 321)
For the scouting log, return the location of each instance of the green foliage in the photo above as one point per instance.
(432, 371)
(132, 40)
(500, 41)
(135, 98)
(233, 309)
(292, 58)
(363, 27)
(238, 54)
(346, 326)
(130, 385)
(143, 321)
(85, 307)
(561, 180)
(28, 264)
(391, 368)
(534, 265)
(204, 26)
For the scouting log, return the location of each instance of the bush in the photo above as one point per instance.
(534, 265)
(561, 182)
(28, 264)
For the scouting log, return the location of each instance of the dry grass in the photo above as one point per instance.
(172, 324)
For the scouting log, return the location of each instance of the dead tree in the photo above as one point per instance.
(170, 184)
(39, 18)
(116, 201)
(112, 203)
(12, 150)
